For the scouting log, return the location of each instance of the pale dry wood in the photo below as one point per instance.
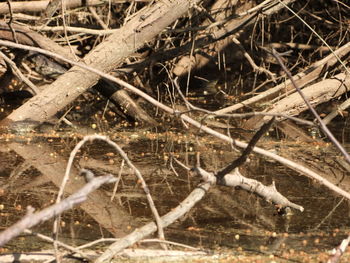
(156, 253)
(98, 206)
(105, 57)
(32, 219)
(195, 196)
(269, 193)
(317, 93)
(134, 253)
(98, 32)
(285, 88)
(293, 165)
(29, 37)
(39, 6)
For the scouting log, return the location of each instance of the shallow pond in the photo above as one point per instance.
(229, 220)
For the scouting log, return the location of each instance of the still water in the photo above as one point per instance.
(226, 219)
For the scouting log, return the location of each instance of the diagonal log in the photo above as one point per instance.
(317, 93)
(26, 36)
(108, 55)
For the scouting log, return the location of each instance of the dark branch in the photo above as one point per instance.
(243, 158)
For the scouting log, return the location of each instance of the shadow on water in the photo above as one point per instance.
(32, 169)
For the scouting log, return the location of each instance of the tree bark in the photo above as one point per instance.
(38, 6)
(317, 93)
(107, 56)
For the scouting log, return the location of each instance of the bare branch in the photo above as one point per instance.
(236, 179)
(31, 219)
(307, 102)
(195, 196)
(186, 118)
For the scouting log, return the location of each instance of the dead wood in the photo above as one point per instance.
(236, 179)
(199, 125)
(206, 129)
(186, 64)
(132, 253)
(244, 156)
(31, 219)
(294, 132)
(38, 6)
(236, 205)
(29, 37)
(172, 39)
(268, 193)
(320, 123)
(50, 10)
(106, 56)
(122, 99)
(89, 175)
(220, 35)
(317, 93)
(98, 204)
(195, 196)
(303, 78)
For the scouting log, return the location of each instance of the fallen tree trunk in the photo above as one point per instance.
(317, 93)
(26, 36)
(105, 57)
(303, 78)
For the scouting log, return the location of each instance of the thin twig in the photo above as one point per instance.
(251, 61)
(319, 37)
(34, 90)
(186, 118)
(130, 164)
(63, 8)
(235, 115)
(13, 32)
(118, 180)
(243, 158)
(31, 219)
(61, 244)
(319, 120)
(74, 29)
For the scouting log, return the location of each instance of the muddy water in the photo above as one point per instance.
(31, 170)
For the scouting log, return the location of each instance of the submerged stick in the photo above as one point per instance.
(282, 160)
(195, 196)
(31, 219)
